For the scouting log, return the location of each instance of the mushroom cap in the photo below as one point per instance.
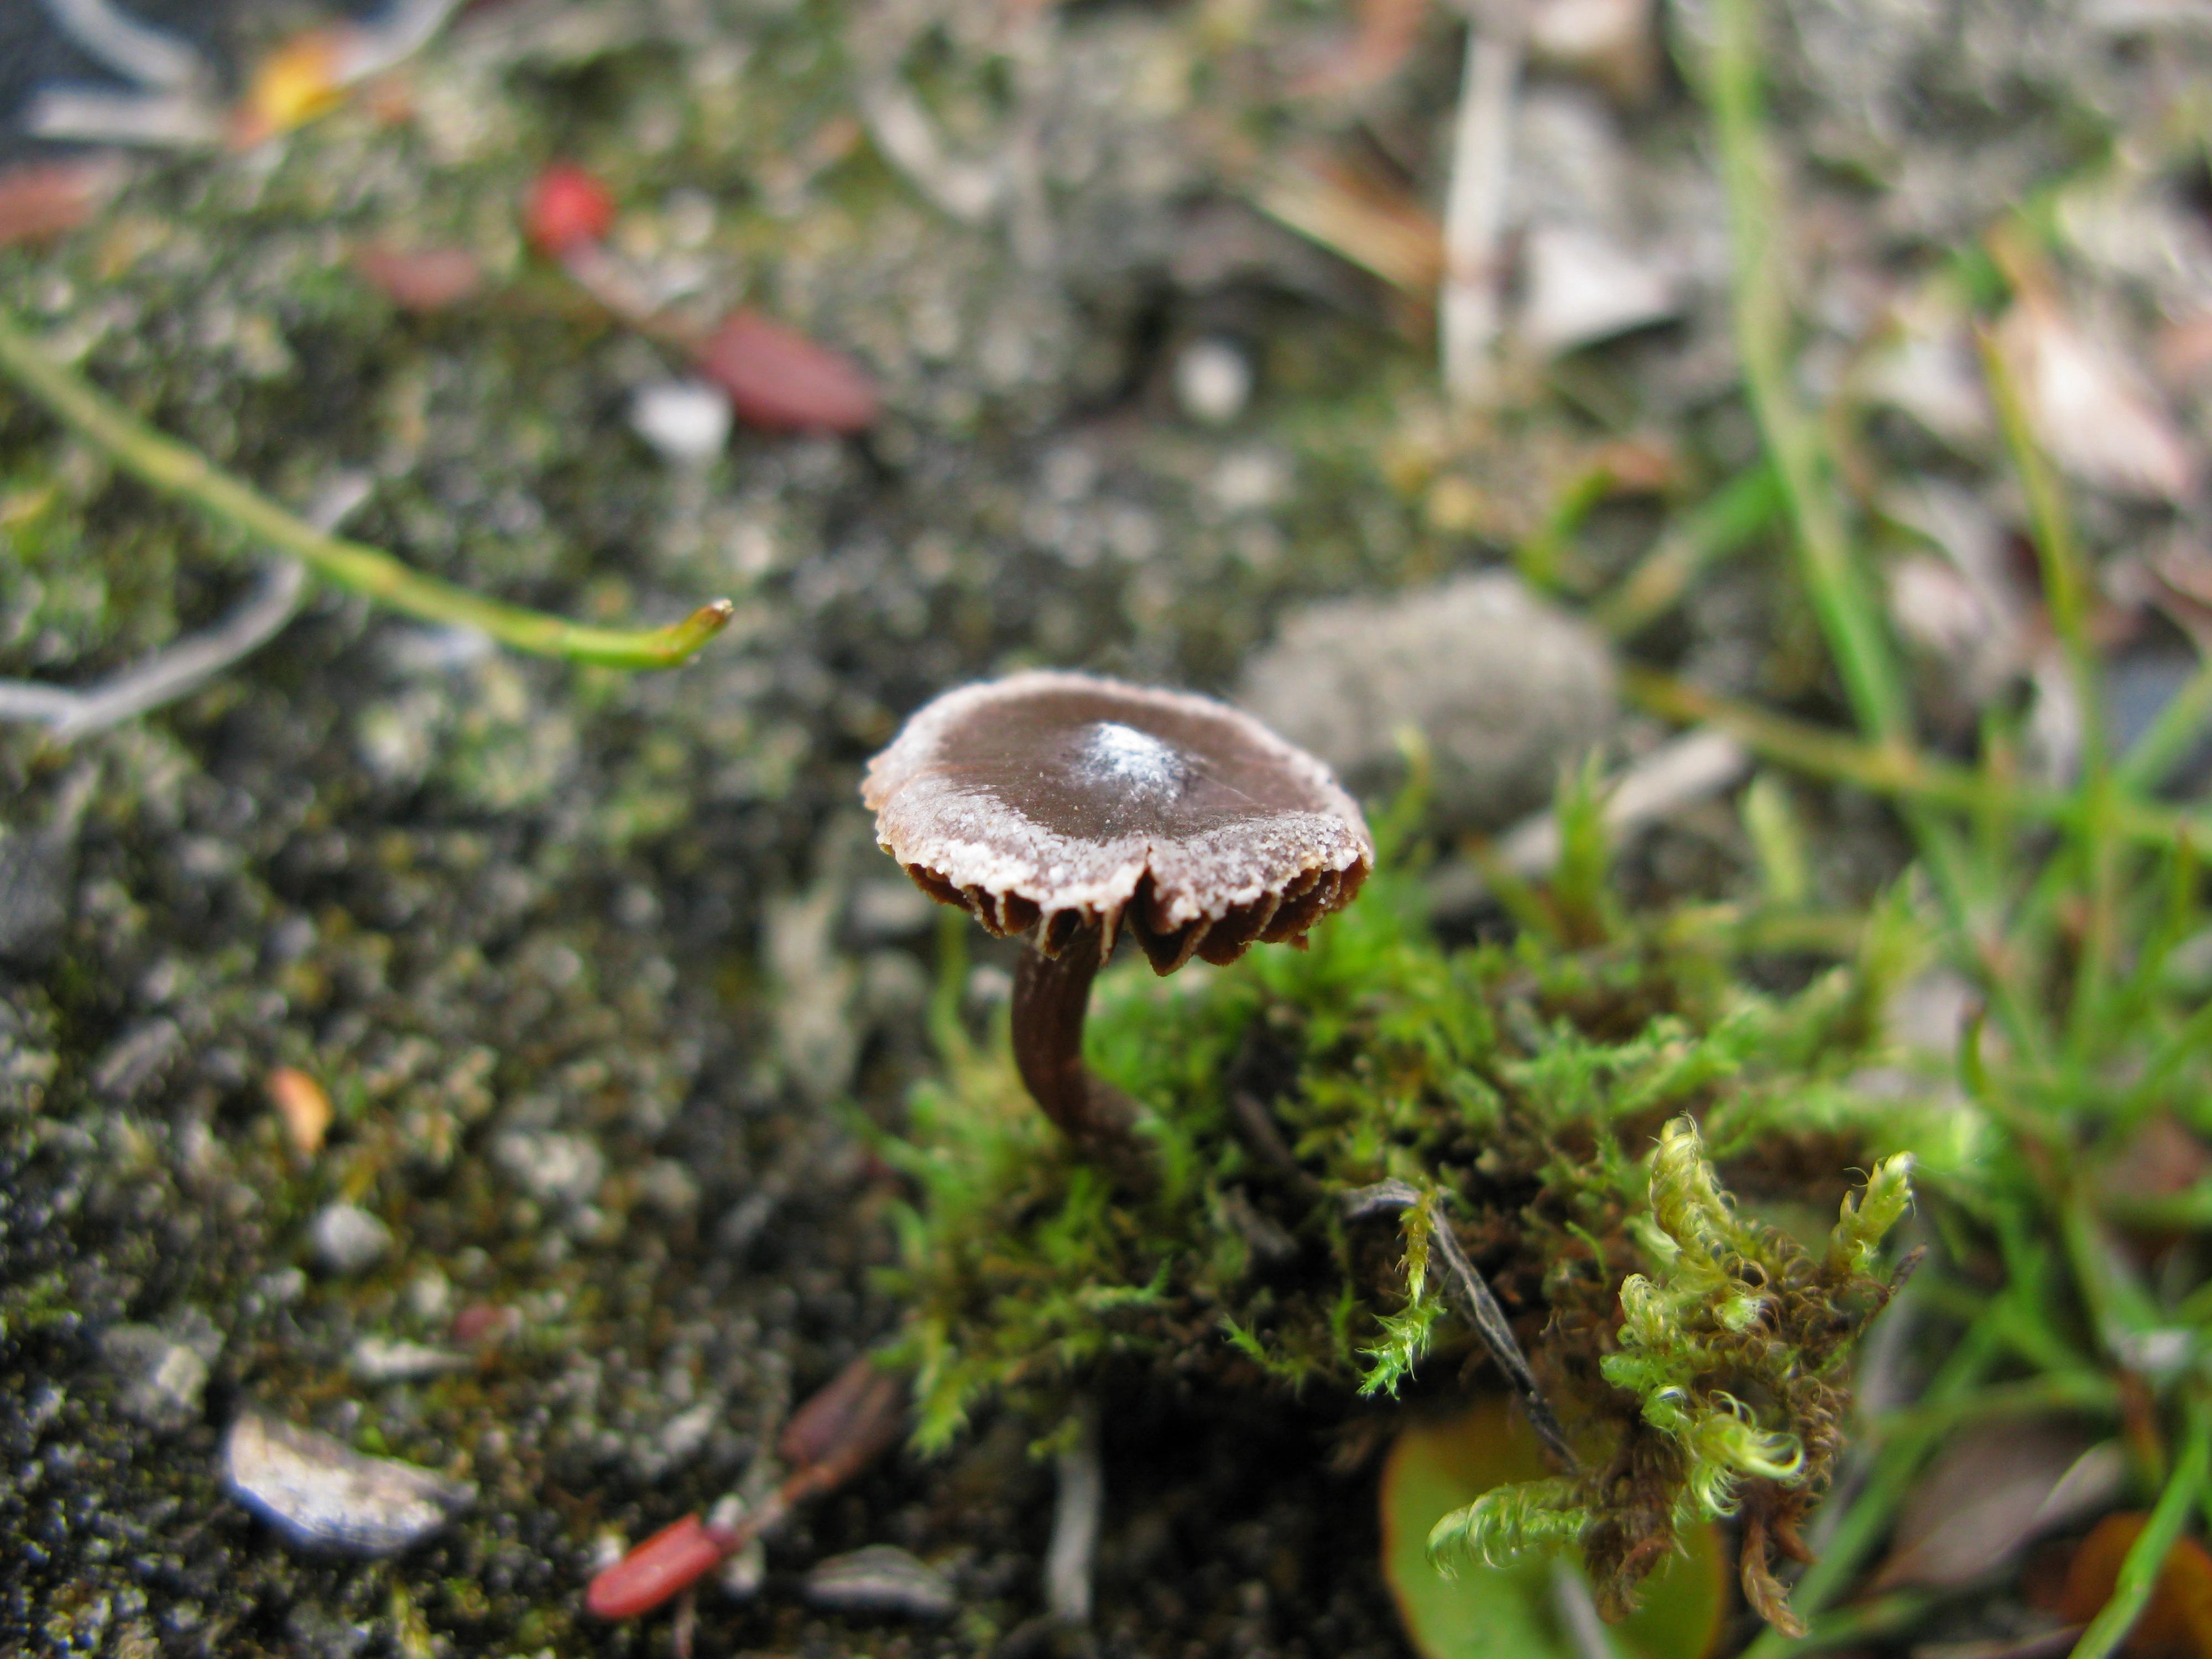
(1076, 806)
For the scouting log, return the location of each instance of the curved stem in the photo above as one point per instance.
(171, 467)
(1051, 996)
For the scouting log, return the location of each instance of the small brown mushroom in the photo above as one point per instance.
(1067, 808)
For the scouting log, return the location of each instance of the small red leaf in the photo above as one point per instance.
(670, 1561)
(783, 382)
(428, 280)
(567, 206)
(39, 200)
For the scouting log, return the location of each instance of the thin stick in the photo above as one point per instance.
(167, 674)
(139, 52)
(1080, 1500)
(1474, 207)
(174, 470)
(1480, 1306)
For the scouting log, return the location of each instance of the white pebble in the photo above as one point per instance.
(1212, 380)
(687, 420)
(348, 1239)
(322, 1495)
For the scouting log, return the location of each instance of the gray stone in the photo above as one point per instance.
(322, 1495)
(881, 1579)
(163, 1370)
(385, 1359)
(347, 1239)
(1505, 688)
(562, 1170)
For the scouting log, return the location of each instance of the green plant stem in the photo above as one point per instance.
(2147, 1556)
(175, 470)
(1849, 617)
(2066, 597)
(2071, 1391)
(1717, 528)
(1898, 770)
(2178, 725)
(1832, 578)
(1540, 557)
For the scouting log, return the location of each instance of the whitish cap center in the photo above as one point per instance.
(1131, 763)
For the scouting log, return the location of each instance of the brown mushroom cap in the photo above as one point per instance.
(1066, 803)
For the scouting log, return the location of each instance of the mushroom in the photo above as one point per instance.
(1067, 807)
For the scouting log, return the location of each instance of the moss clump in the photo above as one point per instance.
(1542, 1100)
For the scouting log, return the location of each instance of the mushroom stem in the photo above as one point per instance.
(1052, 994)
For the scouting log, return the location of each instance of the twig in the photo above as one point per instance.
(1076, 1508)
(906, 138)
(404, 29)
(166, 676)
(140, 53)
(1480, 1306)
(1467, 306)
(174, 470)
(1692, 767)
(177, 669)
(1576, 1609)
(166, 120)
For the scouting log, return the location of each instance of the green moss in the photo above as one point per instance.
(1527, 1092)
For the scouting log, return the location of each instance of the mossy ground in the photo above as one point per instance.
(1522, 1089)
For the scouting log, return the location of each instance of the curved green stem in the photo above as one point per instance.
(2146, 1557)
(175, 470)
(1900, 771)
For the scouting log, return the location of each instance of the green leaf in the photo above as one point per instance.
(1509, 1611)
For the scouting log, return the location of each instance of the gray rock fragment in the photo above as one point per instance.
(347, 1239)
(163, 1370)
(881, 1579)
(323, 1495)
(385, 1359)
(1504, 687)
(560, 1170)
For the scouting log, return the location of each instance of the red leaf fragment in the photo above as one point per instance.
(670, 1562)
(567, 207)
(38, 201)
(783, 381)
(2176, 1623)
(429, 279)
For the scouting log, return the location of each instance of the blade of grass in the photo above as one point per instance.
(2066, 597)
(1724, 522)
(175, 470)
(1833, 581)
(2146, 1557)
(2178, 725)
(1904, 773)
(1827, 562)
(1541, 555)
